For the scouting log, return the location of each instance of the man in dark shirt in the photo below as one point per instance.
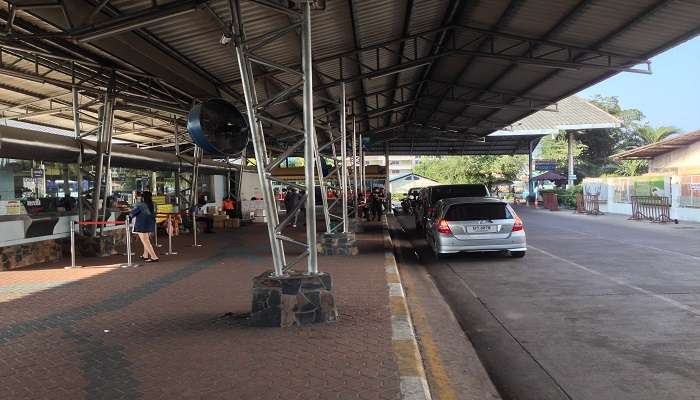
(291, 200)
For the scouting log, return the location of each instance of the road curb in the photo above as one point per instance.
(414, 383)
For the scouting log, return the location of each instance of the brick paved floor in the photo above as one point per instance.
(162, 330)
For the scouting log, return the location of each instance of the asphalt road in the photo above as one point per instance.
(599, 308)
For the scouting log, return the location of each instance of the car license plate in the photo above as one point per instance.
(481, 229)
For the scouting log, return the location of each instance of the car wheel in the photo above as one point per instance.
(517, 254)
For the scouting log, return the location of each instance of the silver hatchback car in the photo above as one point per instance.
(475, 224)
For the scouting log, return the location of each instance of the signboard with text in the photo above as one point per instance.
(545, 165)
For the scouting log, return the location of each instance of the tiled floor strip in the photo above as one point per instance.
(414, 385)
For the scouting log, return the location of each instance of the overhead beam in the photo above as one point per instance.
(117, 25)
(552, 55)
(570, 16)
(454, 10)
(84, 109)
(64, 50)
(85, 74)
(357, 51)
(135, 99)
(632, 22)
(406, 25)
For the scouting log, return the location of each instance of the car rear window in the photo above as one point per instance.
(447, 192)
(477, 211)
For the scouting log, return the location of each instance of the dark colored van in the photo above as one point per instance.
(428, 196)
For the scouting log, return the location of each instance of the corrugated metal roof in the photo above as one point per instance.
(185, 52)
(655, 149)
(572, 113)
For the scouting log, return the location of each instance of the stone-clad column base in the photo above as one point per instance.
(295, 299)
(338, 244)
(355, 225)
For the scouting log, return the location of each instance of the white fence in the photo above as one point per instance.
(616, 192)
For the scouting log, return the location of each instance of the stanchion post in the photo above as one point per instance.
(127, 227)
(72, 244)
(170, 236)
(194, 230)
(155, 233)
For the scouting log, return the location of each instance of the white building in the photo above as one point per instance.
(677, 155)
(402, 183)
(398, 165)
(674, 172)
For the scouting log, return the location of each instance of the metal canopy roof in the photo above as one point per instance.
(424, 77)
(655, 149)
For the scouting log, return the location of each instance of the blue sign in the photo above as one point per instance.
(545, 165)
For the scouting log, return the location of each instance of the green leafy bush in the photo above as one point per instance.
(567, 197)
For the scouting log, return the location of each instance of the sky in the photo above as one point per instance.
(668, 97)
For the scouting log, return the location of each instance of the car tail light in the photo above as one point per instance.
(430, 210)
(518, 225)
(443, 227)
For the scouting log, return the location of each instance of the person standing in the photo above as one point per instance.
(291, 202)
(377, 204)
(229, 207)
(145, 224)
(287, 200)
(301, 199)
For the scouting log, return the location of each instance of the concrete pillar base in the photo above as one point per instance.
(338, 244)
(295, 299)
(355, 225)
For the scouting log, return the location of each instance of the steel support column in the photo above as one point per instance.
(76, 136)
(194, 182)
(194, 191)
(362, 167)
(103, 149)
(178, 171)
(355, 170)
(571, 140)
(387, 195)
(530, 167)
(239, 182)
(263, 163)
(259, 148)
(108, 130)
(343, 159)
(322, 186)
(309, 135)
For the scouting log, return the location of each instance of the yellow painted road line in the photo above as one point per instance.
(441, 381)
(414, 385)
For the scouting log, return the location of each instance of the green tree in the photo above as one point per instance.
(602, 145)
(472, 169)
(631, 167)
(647, 134)
(557, 149)
(292, 162)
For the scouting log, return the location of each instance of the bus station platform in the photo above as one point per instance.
(178, 328)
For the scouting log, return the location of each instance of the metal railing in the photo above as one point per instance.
(588, 204)
(127, 232)
(651, 208)
(551, 201)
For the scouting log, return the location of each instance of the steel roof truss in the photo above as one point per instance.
(499, 46)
